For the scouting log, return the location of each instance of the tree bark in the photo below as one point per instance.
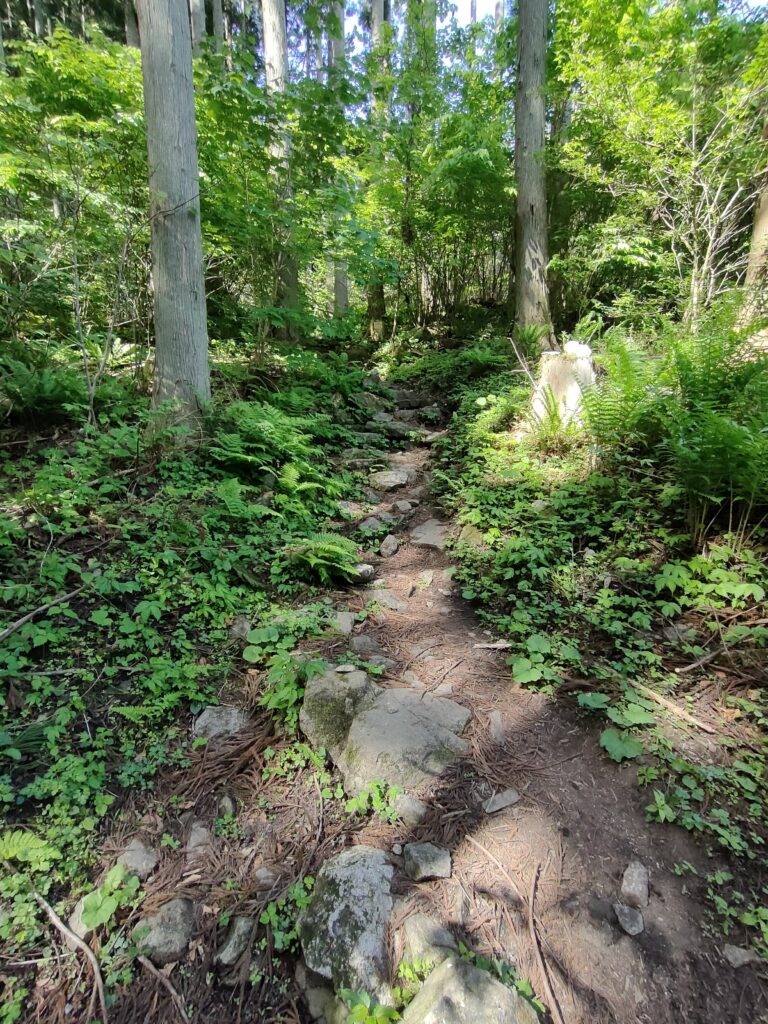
(197, 21)
(276, 71)
(40, 18)
(340, 283)
(217, 17)
(473, 12)
(531, 252)
(181, 335)
(131, 24)
(756, 280)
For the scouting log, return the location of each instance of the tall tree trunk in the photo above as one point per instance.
(756, 280)
(40, 18)
(217, 17)
(131, 24)
(181, 334)
(340, 283)
(377, 302)
(531, 254)
(197, 21)
(276, 70)
(473, 12)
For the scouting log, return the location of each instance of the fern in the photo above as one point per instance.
(26, 848)
(328, 556)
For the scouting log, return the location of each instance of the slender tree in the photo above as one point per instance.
(217, 18)
(197, 21)
(377, 304)
(756, 281)
(531, 251)
(131, 24)
(181, 337)
(336, 53)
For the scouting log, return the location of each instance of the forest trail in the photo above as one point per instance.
(578, 824)
(532, 884)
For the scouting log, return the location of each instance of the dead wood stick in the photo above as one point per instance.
(674, 708)
(166, 983)
(553, 1003)
(75, 940)
(37, 611)
(703, 660)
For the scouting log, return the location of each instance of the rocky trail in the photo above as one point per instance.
(515, 837)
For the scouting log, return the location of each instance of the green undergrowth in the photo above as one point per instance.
(611, 555)
(160, 548)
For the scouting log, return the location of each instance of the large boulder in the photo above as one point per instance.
(456, 992)
(331, 702)
(404, 738)
(343, 931)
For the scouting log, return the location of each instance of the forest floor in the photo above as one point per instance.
(532, 884)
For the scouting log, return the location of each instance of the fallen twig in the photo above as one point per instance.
(553, 1003)
(704, 660)
(75, 940)
(674, 708)
(166, 983)
(38, 611)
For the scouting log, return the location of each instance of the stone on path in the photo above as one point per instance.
(404, 507)
(389, 546)
(370, 401)
(424, 861)
(344, 622)
(630, 919)
(500, 801)
(77, 925)
(410, 809)
(343, 931)
(170, 932)
(426, 939)
(436, 435)
(405, 398)
(199, 843)
(404, 738)
(365, 644)
(738, 957)
(236, 942)
(389, 479)
(219, 720)
(372, 524)
(458, 993)
(363, 573)
(635, 885)
(386, 599)
(139, 859)
(331, 702)
(431, 534)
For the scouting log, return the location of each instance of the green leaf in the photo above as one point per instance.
(539, 643)
(524, 671)
(593, 701)
(618, 746)
(630, 715)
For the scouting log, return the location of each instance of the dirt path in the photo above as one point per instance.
(578, 824)
(532, 884)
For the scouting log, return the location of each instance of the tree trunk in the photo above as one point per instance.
(181, 335)
(40, 18)
(756, 280)
(340, 283)
(531, 256)
(197, 21)
(473, 12)
(217, 17)
(276, 71)
(131, 24)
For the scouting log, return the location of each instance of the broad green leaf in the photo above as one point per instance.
(618, 746)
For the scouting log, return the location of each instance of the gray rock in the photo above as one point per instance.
(240, 628)
(389, 546)
(630, 919)
(236, 942)
(218, 721)
(350, 509)
(496, 727)
(459, 993)
(471, 536)
(372, 524)
(344, 622)
(365, 644)
(602, 910)
(738, 957)
(406, 415)
(139, 859)
(343, 931)
(199, 843)
(424, 861)
(265, 878)
(436, 435)
(77, 925)
(386, 599)
(371, 401)
(384, 662)
(331, 702)
(318, 994)
(403, 507)
(389, 479)
(426, 939)
(382, 416)
(170, 932)
(363, 573)
(386, 517)
(405, 398)
(501, 800)
(410, 809)
(635, 885)
(404, 738)
(226, 806)
(431, 534)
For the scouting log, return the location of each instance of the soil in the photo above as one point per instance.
(532, 885)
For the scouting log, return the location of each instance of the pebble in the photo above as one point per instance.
(389, 546)
(199, 843)
(630, 919)
(635, 885)
(363, 573)
(344, 622)
(139, 859)
(365, 644)
(501, 800)
(410, 809)
(235, 943)
(425, 861)
(738, 957)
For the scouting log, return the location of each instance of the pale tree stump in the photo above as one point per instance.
(563, 379)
